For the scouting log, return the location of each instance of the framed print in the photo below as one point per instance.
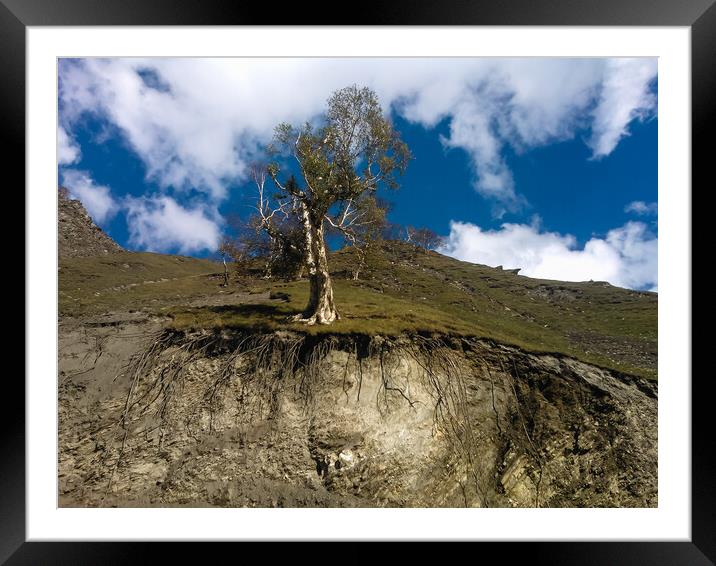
(391, 279)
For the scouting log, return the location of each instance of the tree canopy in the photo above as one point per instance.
(342, 162)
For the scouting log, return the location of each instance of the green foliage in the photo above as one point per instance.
(288, 257)
(354, 133)
(277, 240)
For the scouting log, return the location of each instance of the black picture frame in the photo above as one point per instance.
(16, 15)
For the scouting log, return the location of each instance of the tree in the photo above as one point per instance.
(349, 156)
(276, 218)
(392, 231)
(423, 238)
(361, 223)
(246, 244)
(227, 250)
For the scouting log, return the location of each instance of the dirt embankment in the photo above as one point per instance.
(282, 419)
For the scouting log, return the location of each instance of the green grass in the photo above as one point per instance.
(402, 290)
(363, 311)
(133, 281)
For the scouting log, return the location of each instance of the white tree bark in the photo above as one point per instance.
(321, 308)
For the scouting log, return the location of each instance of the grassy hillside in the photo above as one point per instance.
(130, 281)
(403, 289)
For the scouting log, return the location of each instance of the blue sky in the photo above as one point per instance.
(549, 165)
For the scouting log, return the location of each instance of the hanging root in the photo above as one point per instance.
(256, 366)
(97, 350)
(532, 449)
(149, 388)
(247, 373)
(448, 369)
(446, 374)
(388, 360)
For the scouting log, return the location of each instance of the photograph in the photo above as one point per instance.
(423, 282)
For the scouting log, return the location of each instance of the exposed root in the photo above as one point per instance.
(98, 350)
(310, 320)
(257, 364)
(160, 387)
(486, 368)
(249, 371)
(447, 377)
(532, 449)
(386, 376)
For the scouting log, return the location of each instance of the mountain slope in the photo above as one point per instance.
(77, 234)
(444, 384)
(402, 290)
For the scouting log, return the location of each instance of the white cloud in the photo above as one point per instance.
(205, 123)
(471, 130)
(160, 224)
(626, 257)
(156, 223)
(625, 96)
(642, 208)
(68, 152)
(97, 199)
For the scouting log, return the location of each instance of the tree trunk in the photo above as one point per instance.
(321, 308)
(360, 264)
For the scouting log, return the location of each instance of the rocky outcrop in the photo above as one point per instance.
(282, 419)
(77, 234)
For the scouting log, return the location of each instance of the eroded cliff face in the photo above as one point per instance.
(282, 419)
